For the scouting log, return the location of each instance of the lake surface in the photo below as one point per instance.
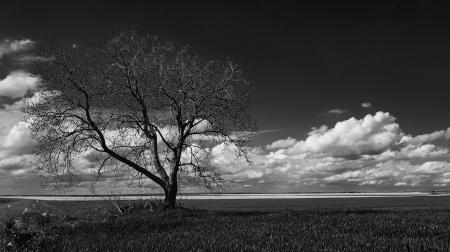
(233, 196)
(263, 202)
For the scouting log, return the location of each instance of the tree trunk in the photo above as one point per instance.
(171, 197)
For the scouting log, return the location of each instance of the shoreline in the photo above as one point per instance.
(226, 196)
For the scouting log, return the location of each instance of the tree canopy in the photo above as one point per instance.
(142, 102)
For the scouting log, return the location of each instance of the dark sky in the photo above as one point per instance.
(304, 57)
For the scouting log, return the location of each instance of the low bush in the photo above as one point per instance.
(38, 225)
(29, 230)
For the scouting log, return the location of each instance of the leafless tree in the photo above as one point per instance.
(141, 102)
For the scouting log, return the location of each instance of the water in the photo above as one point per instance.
(231, 196)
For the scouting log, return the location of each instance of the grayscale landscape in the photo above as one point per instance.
(309, 125)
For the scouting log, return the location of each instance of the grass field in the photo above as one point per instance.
(402, 224)
(426, 202)
(5, 201)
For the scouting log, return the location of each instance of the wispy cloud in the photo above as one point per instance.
(336, 111)
(9, 46)
(366, 104)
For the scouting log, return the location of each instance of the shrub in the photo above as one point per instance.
(29, 230)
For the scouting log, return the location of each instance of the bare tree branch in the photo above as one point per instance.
(142, 102)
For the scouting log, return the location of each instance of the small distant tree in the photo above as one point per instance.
(140, 102)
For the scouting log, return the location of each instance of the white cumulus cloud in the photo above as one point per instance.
(282, 143)
(17, 141)
(17, 84)
(372, 134)
(427, 138)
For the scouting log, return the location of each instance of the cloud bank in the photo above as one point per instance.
(367, 154)
(371, 153)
